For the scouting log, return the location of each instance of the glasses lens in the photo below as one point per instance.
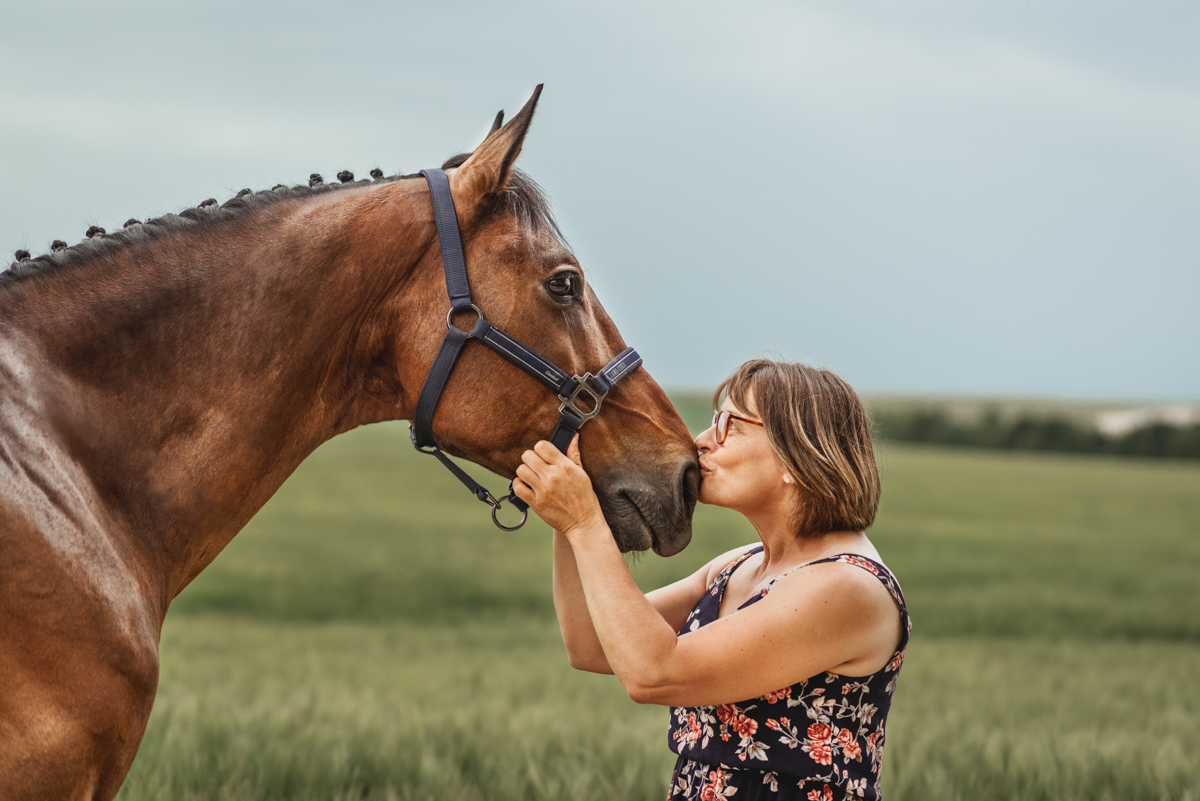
(721, 421)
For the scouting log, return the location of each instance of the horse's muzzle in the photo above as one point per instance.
(652, 508)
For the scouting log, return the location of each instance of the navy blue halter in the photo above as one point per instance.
(567, 387)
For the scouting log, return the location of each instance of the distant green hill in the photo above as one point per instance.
(1016, 424)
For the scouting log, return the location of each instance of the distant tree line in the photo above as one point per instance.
(1029, 432)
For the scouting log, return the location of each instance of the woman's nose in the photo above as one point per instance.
(707, 439)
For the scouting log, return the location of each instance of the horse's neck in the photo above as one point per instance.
(188, 379)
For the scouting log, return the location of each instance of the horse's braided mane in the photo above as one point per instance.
(522, 197)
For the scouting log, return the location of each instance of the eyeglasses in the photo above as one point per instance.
(721, 423)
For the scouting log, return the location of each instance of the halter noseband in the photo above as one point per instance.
(567, 387)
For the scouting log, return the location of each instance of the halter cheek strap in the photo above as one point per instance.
(567, 387)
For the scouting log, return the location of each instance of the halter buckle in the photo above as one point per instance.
(583, 383)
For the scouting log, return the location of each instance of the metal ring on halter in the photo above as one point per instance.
(583, 384)
(454, 309)
(496, 520)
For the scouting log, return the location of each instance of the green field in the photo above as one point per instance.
(371, 636)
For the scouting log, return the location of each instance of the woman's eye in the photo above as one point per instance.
(562, 285)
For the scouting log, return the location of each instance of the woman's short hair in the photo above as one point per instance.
(820, 430)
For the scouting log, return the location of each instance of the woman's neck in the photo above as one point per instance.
(784, 549)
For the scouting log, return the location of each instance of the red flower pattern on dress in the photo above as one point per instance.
(875, 747)
(817, 743)
(714, 788)
(849, 745)
(837, 750)
(865, 564)
(745, 727)
(777, 695)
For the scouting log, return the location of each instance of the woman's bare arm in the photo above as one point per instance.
(672, 603)
(574, 621)
(814, 620)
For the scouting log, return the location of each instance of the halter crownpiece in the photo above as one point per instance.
(567, 387)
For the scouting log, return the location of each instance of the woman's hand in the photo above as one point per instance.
(557, 488)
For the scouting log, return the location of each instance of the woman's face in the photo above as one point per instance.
(743, 473)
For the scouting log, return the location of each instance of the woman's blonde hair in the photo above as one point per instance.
(820, 430)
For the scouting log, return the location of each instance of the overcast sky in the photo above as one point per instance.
(963, 197)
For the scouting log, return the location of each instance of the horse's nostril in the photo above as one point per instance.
(689, 480)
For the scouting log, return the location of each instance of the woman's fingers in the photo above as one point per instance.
(534, 466)
(544, 456)
(555, 486)
(527, 476)
(549, 452)
(534, 470)
(522, 489)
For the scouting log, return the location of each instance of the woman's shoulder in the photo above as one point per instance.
(858, 578)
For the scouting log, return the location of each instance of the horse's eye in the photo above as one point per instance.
(562, 285)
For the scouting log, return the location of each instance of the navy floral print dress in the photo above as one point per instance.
(818, 740)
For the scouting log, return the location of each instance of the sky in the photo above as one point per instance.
(983, 198)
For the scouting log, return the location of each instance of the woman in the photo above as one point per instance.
(779, 659)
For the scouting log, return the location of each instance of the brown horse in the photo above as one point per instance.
(159, 384)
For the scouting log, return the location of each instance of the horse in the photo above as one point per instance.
(158, 384)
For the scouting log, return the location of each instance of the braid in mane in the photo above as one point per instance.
(207, 213)
(522, 197)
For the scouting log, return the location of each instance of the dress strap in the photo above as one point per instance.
(866, 563)
(727, 571)
(736, 563)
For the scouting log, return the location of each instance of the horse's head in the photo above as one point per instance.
(525, 280)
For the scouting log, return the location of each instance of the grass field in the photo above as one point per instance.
(370, 635)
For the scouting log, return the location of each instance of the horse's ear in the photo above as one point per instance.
(497, 123)
(488, 168)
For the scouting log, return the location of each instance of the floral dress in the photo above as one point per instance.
(818, 740)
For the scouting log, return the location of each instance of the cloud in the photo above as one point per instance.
(839, 62)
